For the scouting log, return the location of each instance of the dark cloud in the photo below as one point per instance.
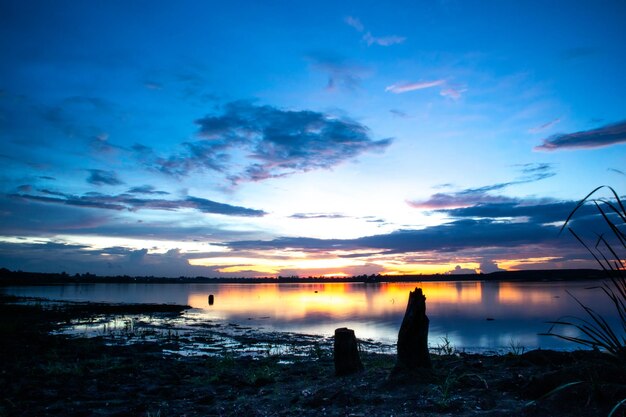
(399, 113)
(608, 135)
(545, 212)
(531, 172)
(131, 202)
(273, 142)
(457, 235)
(490, 230)
(146, 189)
(465, 198)
(24, 217)
(25, 188)
(100, 177)
(70, 258)
(208, 206)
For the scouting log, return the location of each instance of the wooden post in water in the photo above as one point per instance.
(211, 299)
(413, 335)
(346, 352)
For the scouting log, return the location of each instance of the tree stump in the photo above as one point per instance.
(413, 335)
(346, 352)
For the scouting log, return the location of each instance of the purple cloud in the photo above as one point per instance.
(275, 143)
(604, 136)
(474, 196)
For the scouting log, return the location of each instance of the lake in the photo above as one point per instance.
(472, 315)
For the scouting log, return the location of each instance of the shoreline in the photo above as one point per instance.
(15, 278)
(53, 374)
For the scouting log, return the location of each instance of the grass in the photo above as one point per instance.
(516, 348)
(609, 251)
(445, 347)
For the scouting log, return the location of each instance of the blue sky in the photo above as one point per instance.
(305, 138)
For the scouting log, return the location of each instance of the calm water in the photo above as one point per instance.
(457, 310)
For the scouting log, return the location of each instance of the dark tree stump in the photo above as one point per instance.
(413, 335)
(346, 352)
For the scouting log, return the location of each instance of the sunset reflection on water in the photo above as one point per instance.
(475, 315)
(472, 314)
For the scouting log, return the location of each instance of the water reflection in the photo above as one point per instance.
(474, 315)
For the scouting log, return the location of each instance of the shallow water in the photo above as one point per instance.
(471, 315)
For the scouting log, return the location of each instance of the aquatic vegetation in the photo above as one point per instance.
(610, 253)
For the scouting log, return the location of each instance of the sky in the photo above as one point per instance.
(281, 138)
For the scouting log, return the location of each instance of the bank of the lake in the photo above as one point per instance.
(45, 374)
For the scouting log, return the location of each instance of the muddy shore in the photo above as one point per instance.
(43, 373)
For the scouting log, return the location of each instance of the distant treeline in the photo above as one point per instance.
(8, 277)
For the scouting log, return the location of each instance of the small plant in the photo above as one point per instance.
(516, 348)
(445, 347)
(609, 252)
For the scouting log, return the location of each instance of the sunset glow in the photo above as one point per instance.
(324, 139)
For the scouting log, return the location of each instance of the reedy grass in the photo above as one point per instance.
(610, 253)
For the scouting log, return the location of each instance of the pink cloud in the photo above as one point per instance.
(453, 93)
(404, 88)
(544, 126)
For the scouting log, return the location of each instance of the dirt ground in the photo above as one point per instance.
(43, 374)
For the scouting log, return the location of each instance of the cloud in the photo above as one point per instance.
(382, 40)
(355, 23)
(399, 113)
(269, 143)
(458, 235)
(473, 196)
(456, 200)
(146, 189)
(608, 135)
(539, 212)
(535, 172)
(461, 271)
(371, 39)
(545, 126)
(488, 266)
(341, 73)
(132, 203)
(452, 93)
(304, 216)
(65, 257)
(404, 88)
(100, 177)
